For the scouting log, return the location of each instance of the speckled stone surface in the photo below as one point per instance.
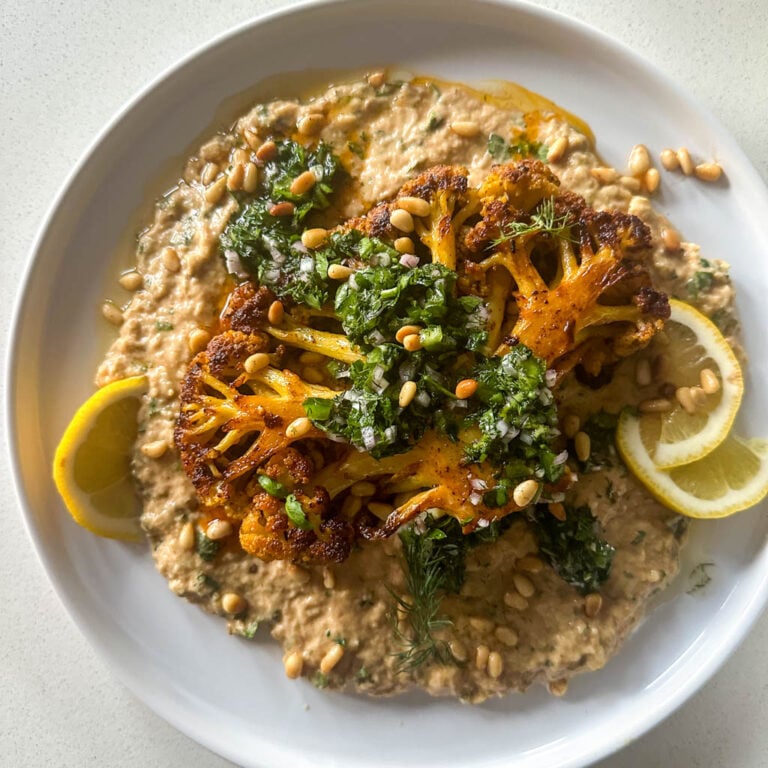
(65, 68)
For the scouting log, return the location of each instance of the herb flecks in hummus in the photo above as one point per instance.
(361, 213)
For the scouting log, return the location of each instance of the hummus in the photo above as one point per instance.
(515, 621)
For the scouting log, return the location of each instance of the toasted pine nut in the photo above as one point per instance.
(558, 687)
(507, 636)
(466, 388)
(699, 397)
(495, 665)
(329, 578)
(363, 488)
(708, 171)
(515, 600)
(276, 312)
(652, 180)
(209, 173)
(303, 183)
(630, 183)
(638, 206)
(684, 158)
(670, 238)
(643, 372)
(351, 505)
(571, 424)
(310, 124)
(481, 656)
(171, 259)
(218, 529)
(416, 206)
(332, 658)
(380, 509)
(256, 362)
(314, 238)
(232, 603)
(131, 281)
(557, 510)
(557, 149)
(111, 313)
(235, 177)
(412, 342)
(310, 358)
(339, 272)
(293, 664)
(239, 155)
(654, 405)
(660, 366)
(669, 159)
(604, 175)
(187, 536)
(683, 396)
(267, 151)
(198, 340)
(312, 375)
(377, 79)
(401, 219)
(525, 493)
(467, 129)
(298, 428)
(592, 604)
(639, 160)
(406, 330)
(523, 585)
(214, 192)
(583, 445)
(709, 381)
(482, 625)
(250, 177)
(286, 208)
(252, 139)
(529, 564)
(155, 449)
(407, 393)
(404, 245)
(458, 651)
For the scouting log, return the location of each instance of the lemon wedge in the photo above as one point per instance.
(730, 478)
(692, 344)
(91, 467)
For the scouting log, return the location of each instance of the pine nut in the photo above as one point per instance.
(639, 160)
(329, 578)
(482, 652)
(377, 79)
(131, 281)
(638, 206)
(298, 428)
(583, 445)
(402, 220)
(407, 393)
(643, 372)
(250, 177)
(351, 505)
(112, 313)
(416, 206)
(310, 124)
(466, 388)
(404, 245)
(214, 192)
(558, 149)
(412, 342)
(218, 529)
(557, 510)
(267, 151)
(303, 183)
(592, 604)
(363, 488)
(495, 665)
(252, 139)
(630, 183)
(525, 493)
(314, 238)
(339, 272)
(670, 239)
(605, 175)
(406, 330)
(699, 397)
(558, 687)
(507, 636)
(232, 603)
(683, 396)
(684, 158)
(239, 156)
(481, 625)
(293, 664)
(652, 180)
(669, 159)
(256, 362)
(276, 312)
(235, 177)
(709, 381)
(660, 366)
(198, 340)
(171, 259)
(708, 171)
(523, 585)
(515, 600)
(529, 564)
(155, 449)
(332, 658)
(571, 425)
(187, 537)
(312, 375)
(655, 405)
(311, 358)
(285, 208)
(467, 129)
(458, 651)
(380, 509)
(209, 173)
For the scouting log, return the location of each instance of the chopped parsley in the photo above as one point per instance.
(296, 513)
(206, 582)
(700, 577)
(601, 428)
(163, 325)
(205, 547)
(250, 631)
(701, 280)
(522, 146)
(272, 487)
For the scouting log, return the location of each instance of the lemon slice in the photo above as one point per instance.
(693, 343)
(730, 478)
(91, 467)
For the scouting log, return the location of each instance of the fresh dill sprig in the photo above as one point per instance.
(544, 220)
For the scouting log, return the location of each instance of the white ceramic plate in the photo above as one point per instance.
(231, 694)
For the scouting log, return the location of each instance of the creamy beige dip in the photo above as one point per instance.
(515, 622)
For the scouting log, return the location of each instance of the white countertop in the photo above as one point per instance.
(65, 69)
